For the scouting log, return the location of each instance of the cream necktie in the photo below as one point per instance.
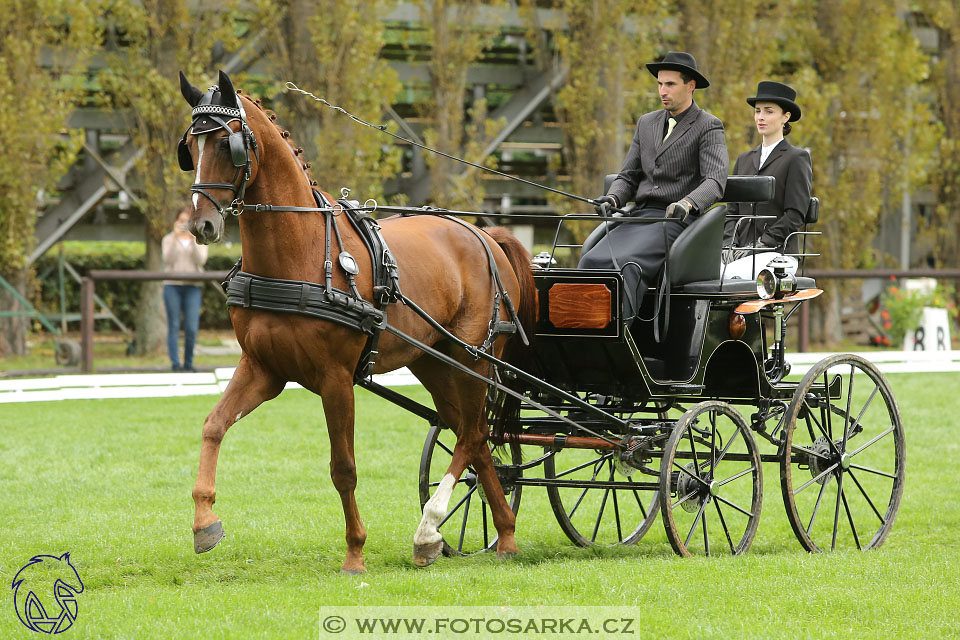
(671, 123)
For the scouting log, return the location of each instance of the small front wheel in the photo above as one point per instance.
(711, 485)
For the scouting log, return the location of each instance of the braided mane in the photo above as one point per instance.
(295, 150)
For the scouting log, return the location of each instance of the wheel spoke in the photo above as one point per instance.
(616, 516)
(810, 452)
(827, 419)
(846, 416)
(734, 477)
(603, 505)
(687, 471)
(729, 444)
(683, 499)
(713, 442)
(693, 449)
(486, 530)
(444, 447)
(874, 440)
(463, 526)
(836, 513)
(457, 506)
(723, 523)
(863, 491)
(582, 466)
(730, 504)
(816, 507)
(596, 470)
(706, 536)
(693, 528)
(875, 471)
(815, 478)
(865, 406)
(824, 431)
(853, 527)
(643, 510)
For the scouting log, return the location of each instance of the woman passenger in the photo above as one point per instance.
(751, 244)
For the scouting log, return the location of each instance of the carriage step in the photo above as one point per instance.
(686, 388)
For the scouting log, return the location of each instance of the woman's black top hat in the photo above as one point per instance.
(778, 93)
(679, 61)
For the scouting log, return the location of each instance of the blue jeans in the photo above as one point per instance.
(185, 299)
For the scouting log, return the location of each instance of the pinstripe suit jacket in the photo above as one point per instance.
(692, 163)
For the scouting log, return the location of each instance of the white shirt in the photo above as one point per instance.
(765, 151)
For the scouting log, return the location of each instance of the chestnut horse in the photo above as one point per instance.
(443, 267)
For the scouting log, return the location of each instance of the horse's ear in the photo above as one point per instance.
(190, 93)
(227, 93)
(66, 556)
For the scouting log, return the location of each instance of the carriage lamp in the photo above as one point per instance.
(737, 326)
(543, 260)
(774, 281)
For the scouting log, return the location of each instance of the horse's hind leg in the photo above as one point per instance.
(460, 402)
(248, 388)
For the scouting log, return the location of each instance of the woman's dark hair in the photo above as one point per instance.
(786, 129)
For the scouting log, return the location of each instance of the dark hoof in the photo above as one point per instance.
(425, 554)
(208, 537)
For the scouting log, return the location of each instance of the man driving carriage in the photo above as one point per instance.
(676, 168)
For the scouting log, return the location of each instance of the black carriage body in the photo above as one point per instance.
(696, 357)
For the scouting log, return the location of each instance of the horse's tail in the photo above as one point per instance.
(502, 408)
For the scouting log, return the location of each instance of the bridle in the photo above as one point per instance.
(240, 144)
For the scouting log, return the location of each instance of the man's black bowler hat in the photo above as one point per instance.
(778, 93)
(680, 61)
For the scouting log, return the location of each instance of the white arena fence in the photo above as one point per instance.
(164, 385)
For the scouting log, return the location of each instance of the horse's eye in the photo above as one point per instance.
(223, 144)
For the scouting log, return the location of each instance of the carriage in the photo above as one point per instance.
(674, 414)
(620, 420)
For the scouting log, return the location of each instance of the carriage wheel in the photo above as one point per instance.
(711, 485)
(842, 468)
(604, 504)
(468, 525)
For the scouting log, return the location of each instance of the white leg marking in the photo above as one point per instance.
(200, 140)
(434, 511)
(239, 415)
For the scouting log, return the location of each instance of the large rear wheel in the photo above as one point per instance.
(843, 464)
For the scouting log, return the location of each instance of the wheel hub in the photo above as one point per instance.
(821, 459)
(687, 485)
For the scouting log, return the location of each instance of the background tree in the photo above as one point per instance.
(736, 43)
(606, 89)
(331, 48)
(943, 228)
(456, 40)
(162, 37)
(857, 62)
(35, 100)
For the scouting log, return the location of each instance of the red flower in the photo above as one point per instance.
(885, 314)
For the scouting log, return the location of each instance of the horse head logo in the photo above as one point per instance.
(41, 582)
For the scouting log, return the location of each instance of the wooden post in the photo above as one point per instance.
(86, 325)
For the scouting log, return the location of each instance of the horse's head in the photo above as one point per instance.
(222, 150)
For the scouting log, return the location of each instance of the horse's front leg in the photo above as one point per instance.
(338, 407)
(248, 388)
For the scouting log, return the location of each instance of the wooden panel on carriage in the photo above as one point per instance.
(580, 341)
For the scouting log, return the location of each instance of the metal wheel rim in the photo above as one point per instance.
(729, 509)
(858, 494)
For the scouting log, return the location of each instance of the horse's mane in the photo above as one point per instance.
(295, 150)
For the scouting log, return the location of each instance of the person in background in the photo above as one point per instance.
(756, 242)
(181, 253)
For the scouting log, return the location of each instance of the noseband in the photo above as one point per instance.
(240, 144)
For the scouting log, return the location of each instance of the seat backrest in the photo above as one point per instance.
(749, 189)
(608, 182)
(813, 211)
(695, 255)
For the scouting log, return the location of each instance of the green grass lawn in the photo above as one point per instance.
(110, 481)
